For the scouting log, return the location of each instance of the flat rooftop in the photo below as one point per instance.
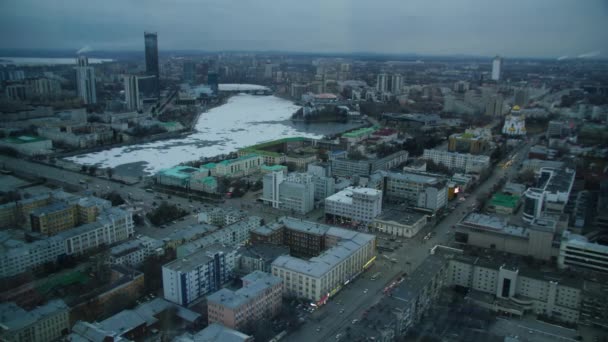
(402, 217)
(255, 284)
(492, 224)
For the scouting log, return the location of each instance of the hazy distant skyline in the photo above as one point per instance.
(517, 28)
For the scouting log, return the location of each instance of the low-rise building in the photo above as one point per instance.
(465, 162)
(241, 166)
(258, 299)
(28, 145)
(233, 235)
(342, 167)
(191, 277)
(44, 323)
(400, 223)
(503, 204)
(259, 257)
(491, 232)
(221, 216)
(354, 205)
(133, 253)
(469, 142)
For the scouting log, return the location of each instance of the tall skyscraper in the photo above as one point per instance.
(152, 69)
(85, 80)
(382, 82)
(496, 65)
(396, 84)
(132, 92)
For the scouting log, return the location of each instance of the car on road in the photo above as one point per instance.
(355, 321)
(342, 311)
(338, 336)
(318, 329)
(365, 291)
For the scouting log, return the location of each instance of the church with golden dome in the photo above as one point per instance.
(515, 123)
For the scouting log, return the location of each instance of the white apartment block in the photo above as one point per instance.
(44, 323)
(192, 277)
(240, 166)
(133, 253)
(113, 225)
(355, 204)
(468, 163)
(232, 235)
(321, 277)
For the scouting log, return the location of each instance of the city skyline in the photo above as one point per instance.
(477, 28)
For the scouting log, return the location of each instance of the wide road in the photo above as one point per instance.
(353, 299)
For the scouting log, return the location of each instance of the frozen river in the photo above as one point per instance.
(243, 121)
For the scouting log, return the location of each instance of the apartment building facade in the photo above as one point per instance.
(260, 298)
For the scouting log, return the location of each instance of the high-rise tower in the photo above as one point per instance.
(152, 69)
(85, 80)
(132, 92)
(496, 65)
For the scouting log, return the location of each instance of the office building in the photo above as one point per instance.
(496, 66)
(132, 100)
(191, 277)
(241, 166)
(17, 92)
(342, 167)
(578, 252)
(495, 233)
(550, 196)
(221, 217)
(464, 162)
(494, 106)
(324, 187)
(259, 299)
(400, 223)
(294, 192)
(152, 68)
(469, 142)
(417, 190)
(85, 81)
(349, 253)
(44, 323)
(354, 205)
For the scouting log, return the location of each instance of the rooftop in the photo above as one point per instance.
(504, 200)
(349, 243)
(266, 252)
(400, 216)
(23, 139)
(360, 132)
(346, 195)
(414, 283)
(13, 317)
(255, 283)
(492, 224)
(182, 172)
(196, 259)
(214, 333)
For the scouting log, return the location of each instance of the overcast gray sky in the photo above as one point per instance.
(536, 28)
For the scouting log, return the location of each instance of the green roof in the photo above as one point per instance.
(504, 200)
(209, 180)
(23, 139)
(274, 167)
(209, 166)
(359, 132)
(182, 172)
(62, 280)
